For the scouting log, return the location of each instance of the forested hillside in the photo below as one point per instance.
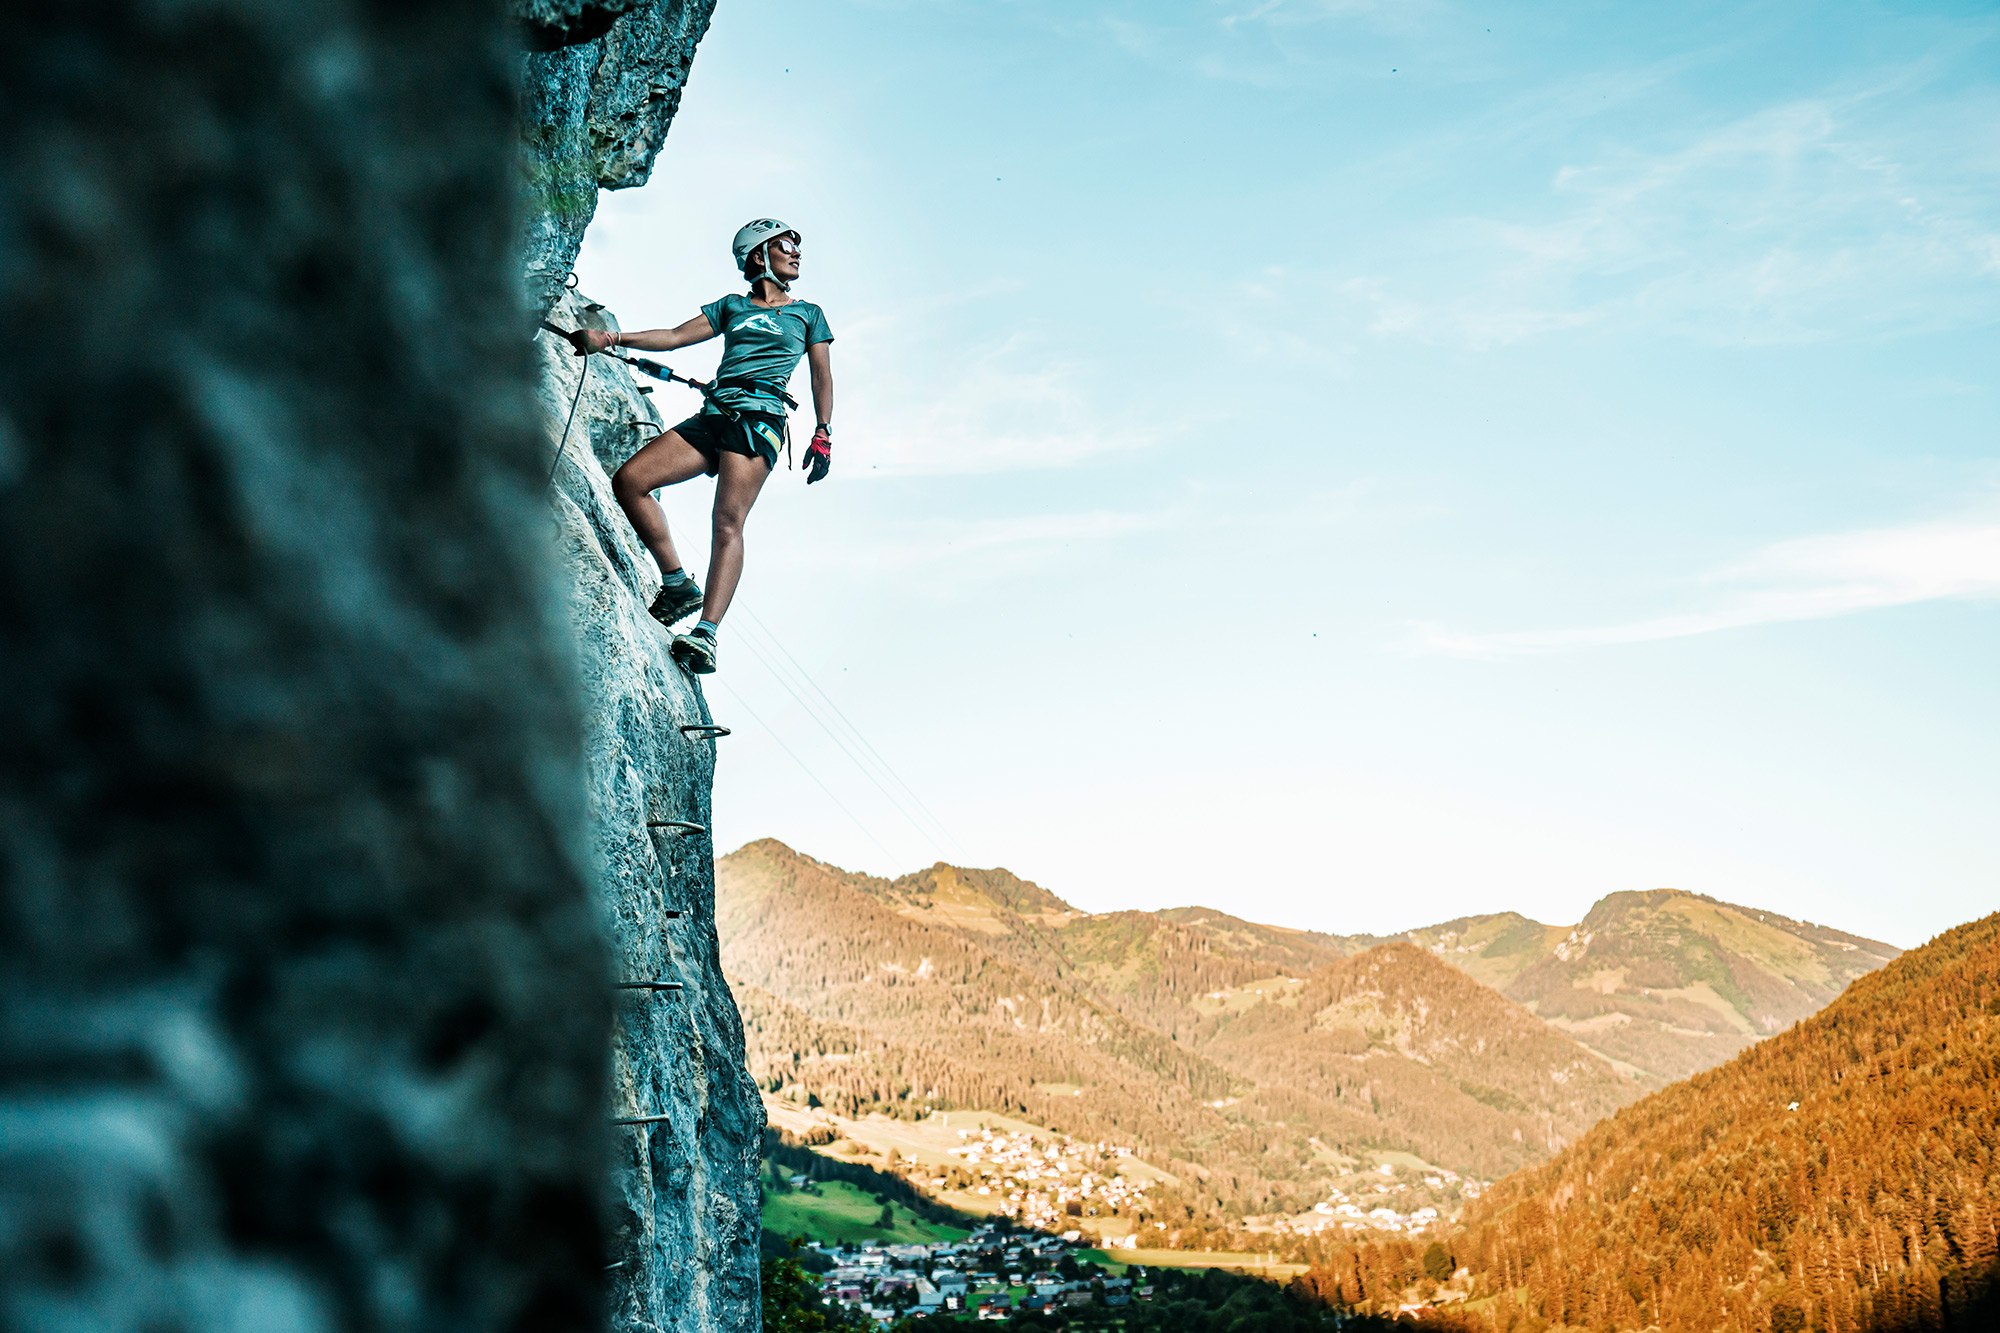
(957, 990)
(1461, 1072)
(1261, 1066)
(870, 1010)
(1493, 950)
(1839, 1176)
(1674, 983)
(1161, 969)
(803, 931)
(1661, 984)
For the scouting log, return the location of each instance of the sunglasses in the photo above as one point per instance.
(786, 245)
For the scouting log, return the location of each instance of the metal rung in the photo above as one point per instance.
(649, 985)
(642, 1120)
(714, 732)
(645, 388)
(637, 422)
(677, 825)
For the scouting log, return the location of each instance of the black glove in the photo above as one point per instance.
(819, 455)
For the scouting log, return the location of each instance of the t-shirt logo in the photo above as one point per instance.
(760, 323)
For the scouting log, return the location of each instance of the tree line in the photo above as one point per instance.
(1839, 1177)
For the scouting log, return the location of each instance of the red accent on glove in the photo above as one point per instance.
(819, 456)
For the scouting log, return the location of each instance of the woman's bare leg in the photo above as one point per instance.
(737, 485)
(665, 461)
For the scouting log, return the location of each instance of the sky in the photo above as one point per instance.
(1355, 464)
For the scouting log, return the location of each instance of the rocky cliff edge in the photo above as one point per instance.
(600, 83)
(687, 1212)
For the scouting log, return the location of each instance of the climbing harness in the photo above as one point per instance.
(769, 387)
(664, 374)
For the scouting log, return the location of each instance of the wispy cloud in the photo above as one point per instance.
(1817, 217)
(1270, 43)
(1809, 578)
(1392, 14)
(992, 416)
(925, 543)
(1021, 401)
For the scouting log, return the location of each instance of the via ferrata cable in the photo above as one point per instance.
(582, 375)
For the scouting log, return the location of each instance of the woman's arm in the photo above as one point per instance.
(694, 331)
(820, 357)
(819, 454)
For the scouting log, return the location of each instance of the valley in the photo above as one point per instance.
(1203, 1081)
(1840, 1176)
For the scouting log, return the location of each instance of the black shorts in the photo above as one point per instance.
(752, 434)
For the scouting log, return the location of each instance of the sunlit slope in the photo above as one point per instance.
(808, 933)
(1173, 969)
(1661, 983)
(1472, 1080)
(872, 1010)
(809, 1062)
(1844, 1174)
(1493, 950)
(1167, 970)
(933, 991)
(1269, 1058)
(1675, 983)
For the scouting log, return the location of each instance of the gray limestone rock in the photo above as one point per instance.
(594, 113)
(548, 24)
(686, 1216)
(303, 990)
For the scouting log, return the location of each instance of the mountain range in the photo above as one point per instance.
(1842, 1175)
(1254, 1063)
(1661, 982)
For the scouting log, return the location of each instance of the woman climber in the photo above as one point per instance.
(737, 434)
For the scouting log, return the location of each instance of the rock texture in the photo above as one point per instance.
(686, 1216)
(303, 994)
(600, 84)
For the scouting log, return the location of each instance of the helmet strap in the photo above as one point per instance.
(768, 274)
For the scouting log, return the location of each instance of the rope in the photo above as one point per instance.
(556, 462)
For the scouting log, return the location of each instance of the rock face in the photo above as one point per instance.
(686, 1217)
(600, 83)
(303, 991)
(686, 1214)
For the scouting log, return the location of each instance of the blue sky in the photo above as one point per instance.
(1358, 464)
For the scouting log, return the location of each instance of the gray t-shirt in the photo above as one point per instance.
(762, 343)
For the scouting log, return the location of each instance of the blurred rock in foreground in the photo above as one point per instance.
(302, 992)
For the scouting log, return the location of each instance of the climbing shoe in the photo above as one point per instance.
(695, 650)
(675, 601)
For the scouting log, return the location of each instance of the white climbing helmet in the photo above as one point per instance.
(752, 237)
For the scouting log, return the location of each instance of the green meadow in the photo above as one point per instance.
(839, 1213)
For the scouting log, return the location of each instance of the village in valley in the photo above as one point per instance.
(991, 1274)
(995, 1166)
(1066, 1223)
(1047, 1178)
